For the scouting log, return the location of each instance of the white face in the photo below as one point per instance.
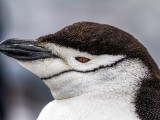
(67, 77)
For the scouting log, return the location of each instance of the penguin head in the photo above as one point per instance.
(85, 58)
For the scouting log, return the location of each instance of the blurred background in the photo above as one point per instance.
(23, 95)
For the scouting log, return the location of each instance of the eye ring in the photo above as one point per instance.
(82, 59)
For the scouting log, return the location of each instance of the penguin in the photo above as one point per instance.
(94, 72)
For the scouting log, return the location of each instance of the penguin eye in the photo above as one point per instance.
(82, 59)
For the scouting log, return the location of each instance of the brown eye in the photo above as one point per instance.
(82, 59)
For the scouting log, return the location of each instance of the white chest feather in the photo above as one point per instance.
(81, 108)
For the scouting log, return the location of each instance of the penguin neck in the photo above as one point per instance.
(121, 81)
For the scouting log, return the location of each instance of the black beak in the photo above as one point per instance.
(24, 50)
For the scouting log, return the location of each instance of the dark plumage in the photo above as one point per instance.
(101, 39)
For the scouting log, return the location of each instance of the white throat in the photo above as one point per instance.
(117, 81)
(90, 97)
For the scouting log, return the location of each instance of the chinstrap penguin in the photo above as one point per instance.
(94, 72)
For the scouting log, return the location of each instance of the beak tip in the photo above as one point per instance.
(4, 43)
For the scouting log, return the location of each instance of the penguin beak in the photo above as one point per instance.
(24, 50)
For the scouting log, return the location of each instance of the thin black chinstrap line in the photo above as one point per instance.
(100, 67)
